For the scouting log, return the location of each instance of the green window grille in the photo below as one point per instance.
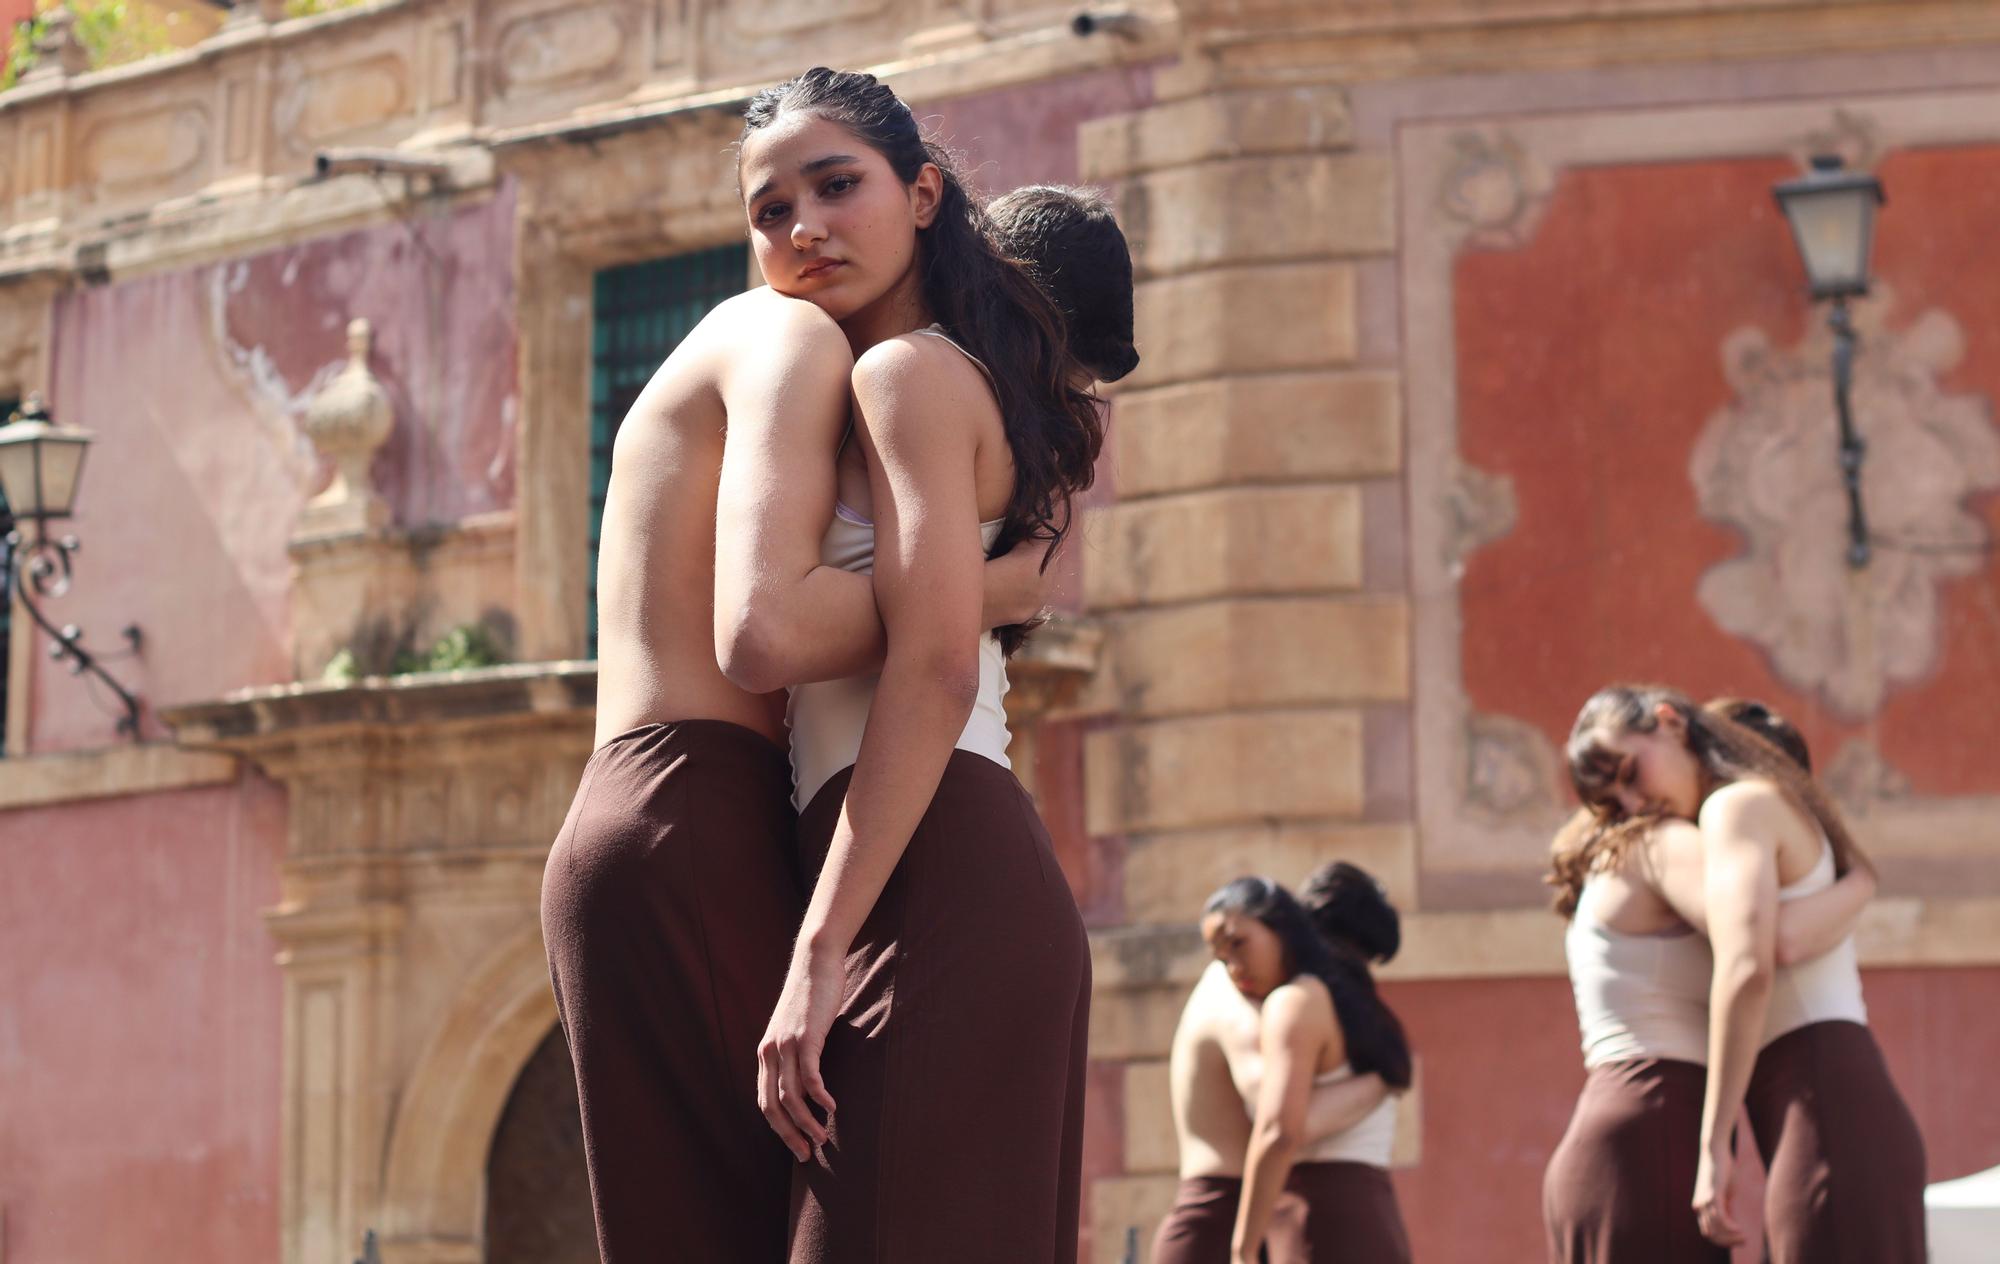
(640, 313)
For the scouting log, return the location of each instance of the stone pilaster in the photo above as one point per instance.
(1250, 642)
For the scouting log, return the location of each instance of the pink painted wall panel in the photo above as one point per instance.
(140, 1028)
(195, 384)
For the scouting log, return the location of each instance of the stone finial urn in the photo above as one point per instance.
(61, 49)
(348, 420)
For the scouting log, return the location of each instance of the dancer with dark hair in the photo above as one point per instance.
(685, 807)
(1788, 1040)
(1070, 241)
(972, 426)
(1321, 1023)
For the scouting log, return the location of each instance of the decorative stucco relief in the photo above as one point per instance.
(1767, 464)
(560, 48)
(315, 104)
(1493, 191)
(764, 19)
(1511, 770)
(123, 153)
(1481, 509)
(1859, 777)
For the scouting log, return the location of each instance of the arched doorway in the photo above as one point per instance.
(537, 1189)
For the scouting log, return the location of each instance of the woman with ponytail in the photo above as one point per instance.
(1321, 1022)
(1789, 1039)
(972, 429)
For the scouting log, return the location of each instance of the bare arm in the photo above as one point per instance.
(921, 456)
(1807, 927)
(1740, 830)
(1814, 925)
(1337, 1107)
(781, 618)
(787, 408)
(1291, 1042)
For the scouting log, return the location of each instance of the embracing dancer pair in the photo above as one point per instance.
(1712, 889)
(892, 985)
(1282, 1070)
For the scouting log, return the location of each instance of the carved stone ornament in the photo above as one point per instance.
(347, 421)
(60, 48)
(1767, 465)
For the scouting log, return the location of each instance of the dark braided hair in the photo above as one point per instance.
(1371, 1030)
(1070, 240)
(986, 300)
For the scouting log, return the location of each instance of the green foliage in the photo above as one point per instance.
(461, 649)
(467, 646)
(112, 31)
(307, 8)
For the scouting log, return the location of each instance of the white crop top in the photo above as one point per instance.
(1638, 996)
(1370, 1140)
(1825, 989)
(827, 717)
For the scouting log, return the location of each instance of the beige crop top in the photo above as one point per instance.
(827, 717)
(1825, 989)
(1638, 996)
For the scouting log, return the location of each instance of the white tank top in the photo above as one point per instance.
(1825, 989)
(1638, 996)
(827, 717)
(1370, 1140)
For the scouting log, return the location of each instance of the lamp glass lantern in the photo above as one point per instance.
(40, 463)
(1832, 213)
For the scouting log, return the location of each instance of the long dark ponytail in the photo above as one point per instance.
(1374, 1037)
(987, 301)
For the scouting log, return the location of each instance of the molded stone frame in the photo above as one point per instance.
(1487, 787)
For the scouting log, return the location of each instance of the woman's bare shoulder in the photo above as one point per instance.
(921, 368)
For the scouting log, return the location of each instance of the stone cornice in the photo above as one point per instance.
(48, 780)
(212, 150)
(270, 720)
(1274, 41)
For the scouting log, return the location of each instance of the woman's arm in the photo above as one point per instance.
(781, 618)
(1807, 927)
(1814, 925)
(1338, 1107)
(1292, 1037)
(910, 410)
(1740, 826)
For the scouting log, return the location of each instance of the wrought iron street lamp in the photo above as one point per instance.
(40, 463)
(1832, 213)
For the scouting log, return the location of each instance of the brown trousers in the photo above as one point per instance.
(1350, 1217)
(1330, 1213)
(1202, 1223)
(1620, 1187)
(668, 906)
(957, 1061)
(1845, 1161)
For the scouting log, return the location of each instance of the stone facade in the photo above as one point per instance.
(1413, 283)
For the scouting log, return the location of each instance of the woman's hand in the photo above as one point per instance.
(1713, 1196)
(1017, 586)
(788, 1077)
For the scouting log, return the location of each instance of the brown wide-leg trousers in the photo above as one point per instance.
(1620, 1187)
(1350, 1216)
(1845, 1161)
(957, 1061)
(668, 906)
